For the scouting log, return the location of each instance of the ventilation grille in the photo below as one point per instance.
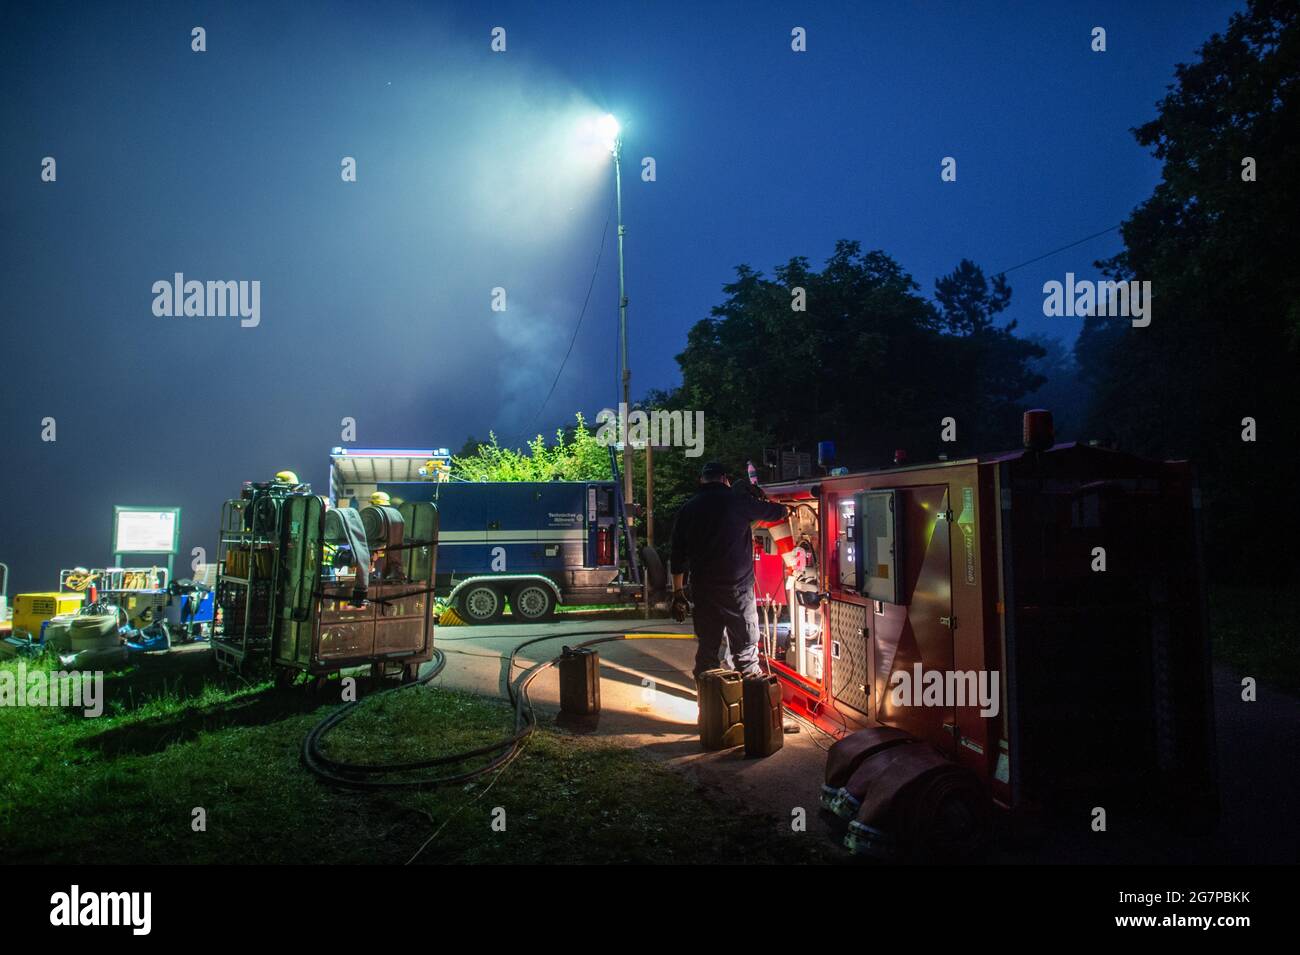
(849, 676)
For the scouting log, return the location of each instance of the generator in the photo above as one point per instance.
(33, 610)
(313, 588)
(1035, 616)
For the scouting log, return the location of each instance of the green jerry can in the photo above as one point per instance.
(762, 708)
(721, 696)
(579, 681)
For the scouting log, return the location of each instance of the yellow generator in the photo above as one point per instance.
(32, 610)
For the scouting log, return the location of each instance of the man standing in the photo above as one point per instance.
(712, 540)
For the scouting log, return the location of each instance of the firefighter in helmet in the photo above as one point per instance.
(712, 541)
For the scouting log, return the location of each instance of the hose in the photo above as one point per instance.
(503, 751)
(913, 802)
(946, 816)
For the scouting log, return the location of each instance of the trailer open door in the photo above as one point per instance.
(895, 641)
(913, 638)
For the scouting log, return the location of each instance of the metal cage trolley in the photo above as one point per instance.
(313, 588)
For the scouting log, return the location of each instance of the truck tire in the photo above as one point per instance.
(480, 603)
(532, 601)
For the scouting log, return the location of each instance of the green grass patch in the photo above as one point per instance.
(176, 735)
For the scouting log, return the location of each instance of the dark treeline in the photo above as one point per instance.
(1218, 241)
(871, 363)
(856, 354)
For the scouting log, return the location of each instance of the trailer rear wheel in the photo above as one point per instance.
(481, 603)
(533, 601)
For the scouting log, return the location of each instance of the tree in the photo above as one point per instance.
(995, 367)
(576, 455)
(1062, 392)
(869, 363)
(1217, 241)
(967, 303)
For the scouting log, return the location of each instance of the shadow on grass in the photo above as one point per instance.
(154, 735)
(151, 676)
(182, 680)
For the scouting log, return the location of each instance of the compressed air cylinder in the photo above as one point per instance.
(762, 709)
(579, 681)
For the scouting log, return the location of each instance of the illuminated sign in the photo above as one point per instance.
(146, 530)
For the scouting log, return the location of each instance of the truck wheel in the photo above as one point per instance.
(532, 601)
(480, 603)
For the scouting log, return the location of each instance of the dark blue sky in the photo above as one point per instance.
(375, 294)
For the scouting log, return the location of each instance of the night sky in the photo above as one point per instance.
(376, 294)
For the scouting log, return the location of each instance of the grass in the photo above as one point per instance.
(1253, 632)
(176, 735)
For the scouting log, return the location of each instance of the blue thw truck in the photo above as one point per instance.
(531, 545)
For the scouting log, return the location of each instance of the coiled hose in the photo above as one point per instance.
(501, 752)
(945, 815)
(918, 804)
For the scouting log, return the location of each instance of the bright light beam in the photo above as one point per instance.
(607, 130)
(598, 135)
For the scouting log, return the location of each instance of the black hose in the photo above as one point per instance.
(354, 775)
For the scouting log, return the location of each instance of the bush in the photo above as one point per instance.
(576, 455)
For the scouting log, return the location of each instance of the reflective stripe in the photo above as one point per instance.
(784, 541)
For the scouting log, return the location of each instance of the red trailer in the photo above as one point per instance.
(1066, 579)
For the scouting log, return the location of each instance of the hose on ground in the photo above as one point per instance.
(502, 751)
(944, 815)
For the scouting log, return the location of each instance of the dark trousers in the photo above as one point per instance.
(726, 624)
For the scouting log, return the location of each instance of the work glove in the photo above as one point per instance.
(680, 606)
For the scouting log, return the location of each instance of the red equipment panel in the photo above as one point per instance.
(769, 578)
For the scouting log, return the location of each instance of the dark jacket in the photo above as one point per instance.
(712, 539)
